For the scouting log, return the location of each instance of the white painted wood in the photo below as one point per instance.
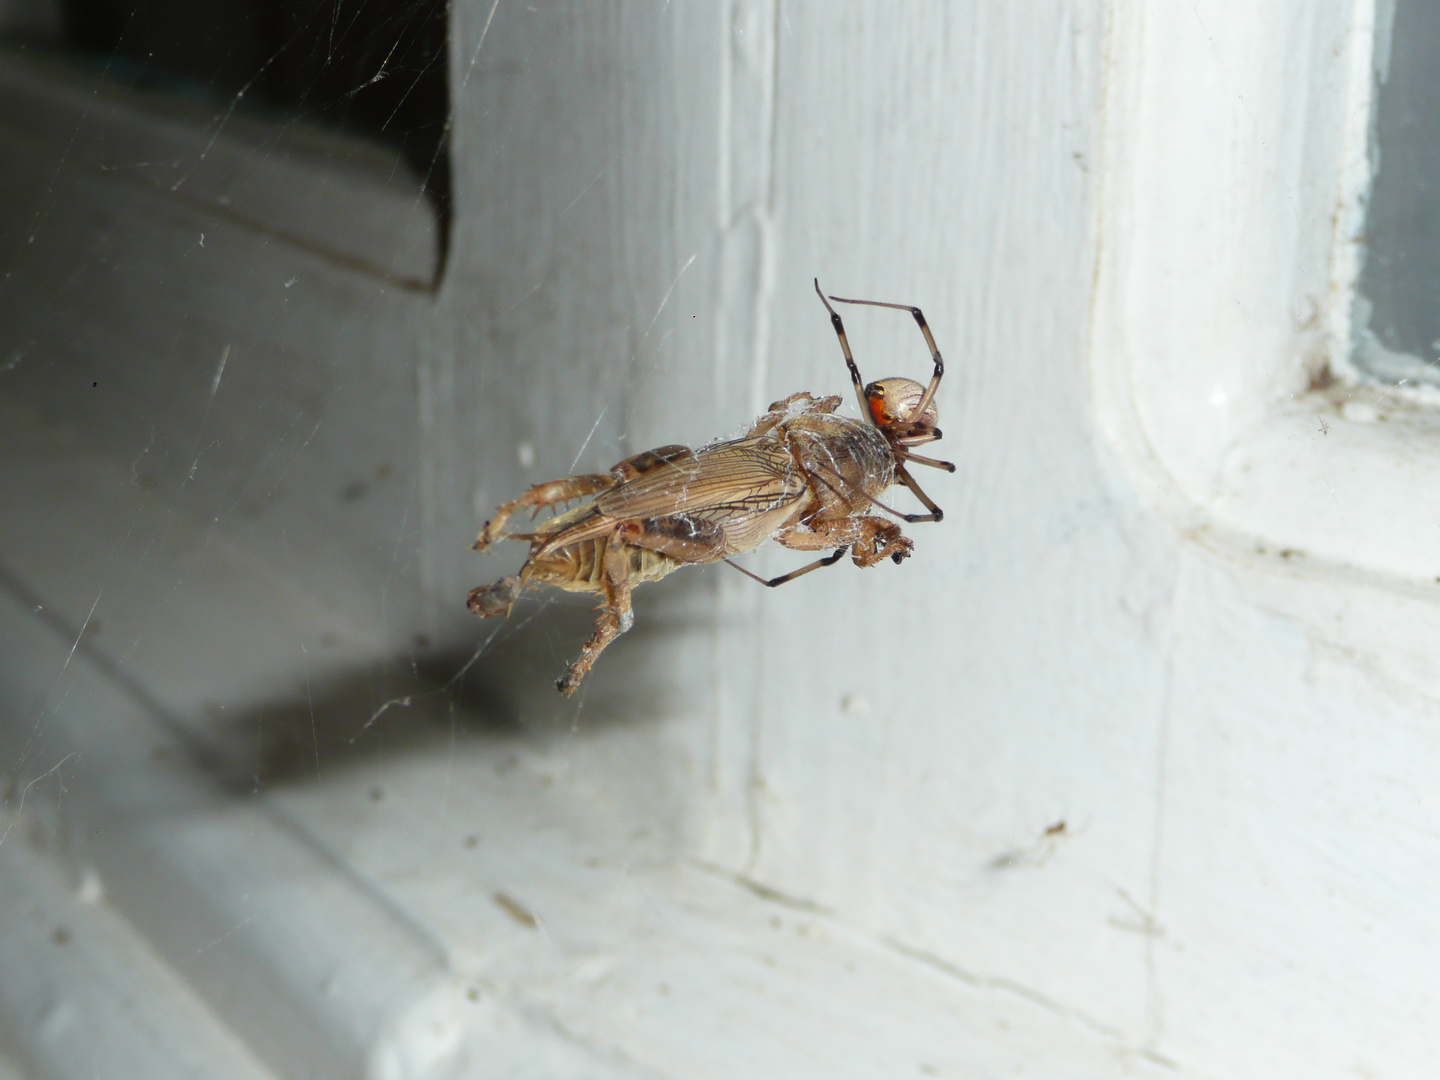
(440, 899)
(255, 370)
(1226, 286)
(1179, 605)
(83, 994)
(257, 918)
(1292, 937)
(1126, 291)
(879, 742)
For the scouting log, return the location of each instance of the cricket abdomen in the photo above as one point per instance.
(580, 567)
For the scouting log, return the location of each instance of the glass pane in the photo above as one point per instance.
(1397, 313)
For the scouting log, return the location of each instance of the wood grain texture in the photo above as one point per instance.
(899, 745)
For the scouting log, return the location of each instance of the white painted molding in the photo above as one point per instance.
(1229, 213)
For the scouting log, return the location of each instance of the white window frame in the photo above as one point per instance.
(1229, 222)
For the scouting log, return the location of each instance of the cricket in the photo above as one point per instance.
(801, 475)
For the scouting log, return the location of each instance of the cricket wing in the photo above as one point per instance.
(720, 484)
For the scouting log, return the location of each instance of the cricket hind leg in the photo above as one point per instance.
(497, 599)
(538, 498)
(683, 540)
(616, 614)
(554, 492)
(648, 461)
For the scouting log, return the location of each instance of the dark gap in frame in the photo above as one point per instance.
(317, 60)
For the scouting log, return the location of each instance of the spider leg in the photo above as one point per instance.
(929, 342)
(936, 514)
(840, 485)
(829, 560)
(849, 359)
(948, 466)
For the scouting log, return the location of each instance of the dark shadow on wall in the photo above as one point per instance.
(499, 690)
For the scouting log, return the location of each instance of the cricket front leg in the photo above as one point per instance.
(800, 404)
(808, 403)
(869, 538)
